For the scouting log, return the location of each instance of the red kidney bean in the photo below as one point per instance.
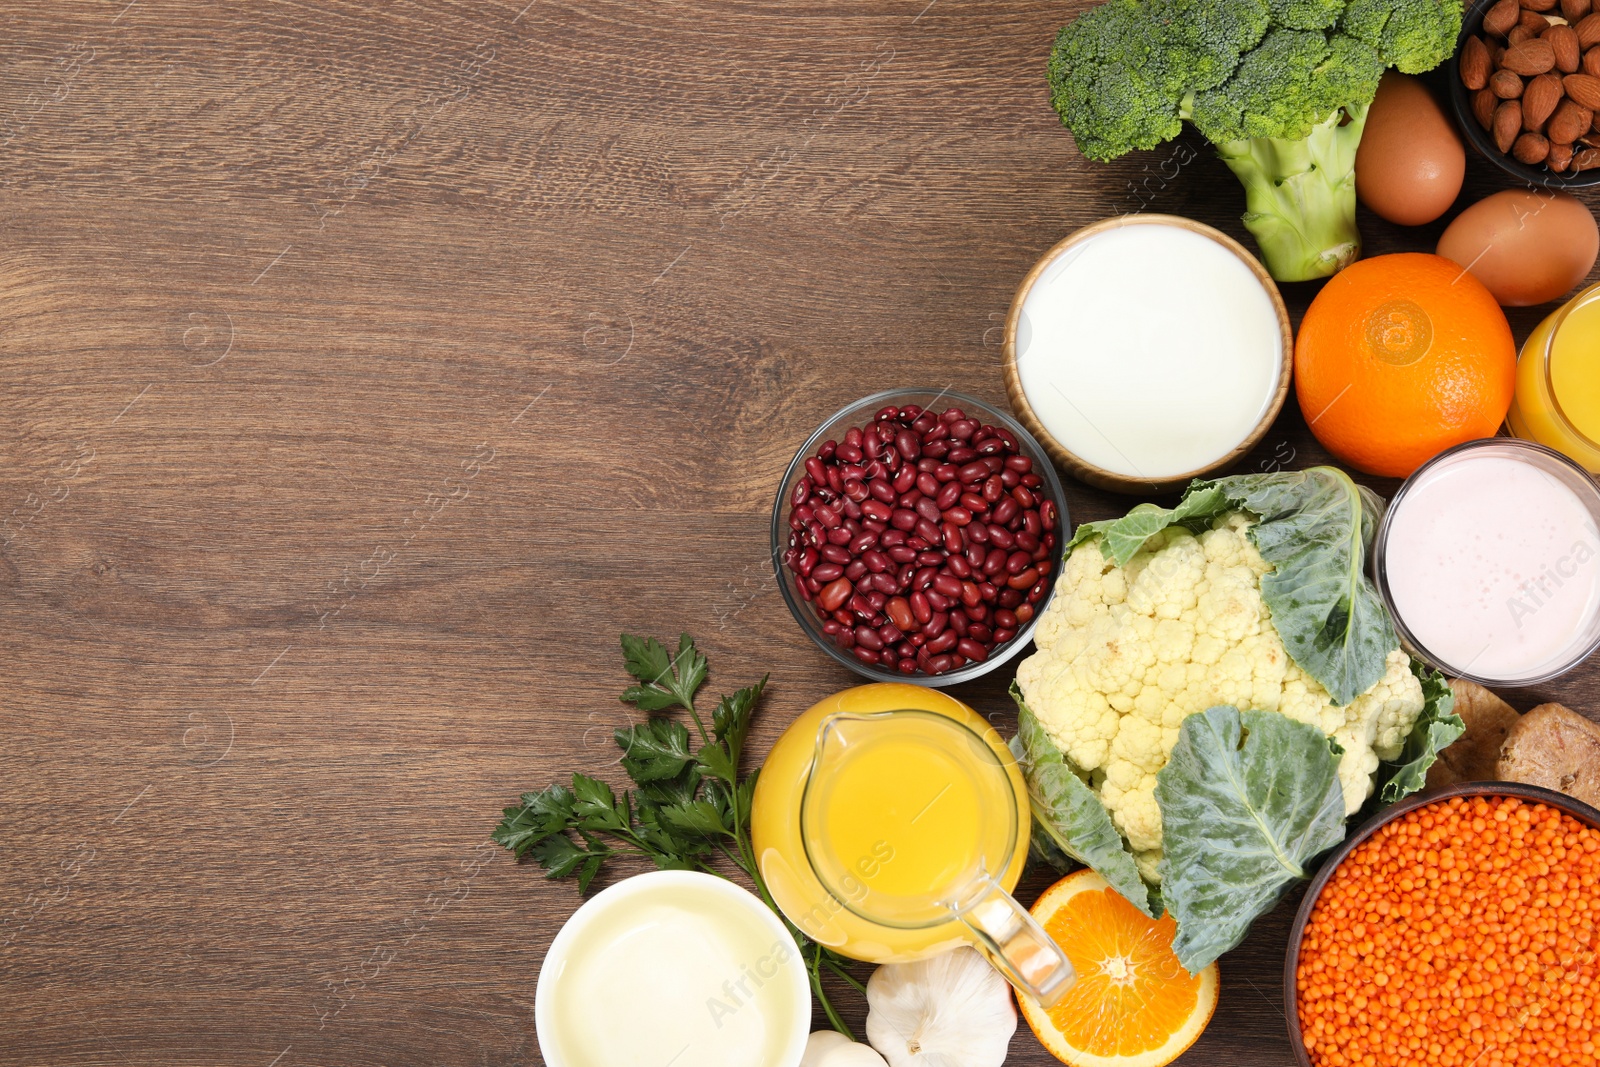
(937, 624)
(1023, 496)
(852, 511)
(963, 429)
(977, 532)
(876, 561)
(976, 554)
(972, 472)
(838, 536)
(1032, 523)
(831, 627)
(1024, 613)
(952, 415)
(1038, 591)
(961, 455)
(877, 510)
(890, 634)
(960, 567)
(1009, 598)
(953, 541)
(907, 444)
(958, 515)
(1001, 636)
(1001, 537)
(943, 642)
(1020, 464)
(862, 606)
(902, 577)
(1032, 481)
(993, 488)
(947, 585)
(885, 583)
(846, 638)
(835, 593)
(1010, 479)
(981, 633)
(972, 650)
(973, 503)
(920, 608)
(901, 554)
(1018, 562)
(817, 472)
(845, 618)
(923, 578)
(928, 509)
(936, 450)
(978, 612)
(929, 532)
(988, 591)
(959, 623)
(881, 492)
(827, 572)
(941, 665)
(889, 538)
(877, 600)
(995, 562)
(917, 543)
(937, 432)
(899, 611)
(938, 601)
(927, 484)
(904, 478)
(945, 472)
(1023, 578)
(1047, 514)
(855, 569)
(866, 655)
(905, 649)
(948, 496)
(1004, 511)
(861, 543)
(903, 519)
(906, 666)
(835, 554)
(970, 594)
(1005, 619)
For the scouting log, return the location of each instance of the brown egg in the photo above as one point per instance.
(1410, 163)
(1526, 247)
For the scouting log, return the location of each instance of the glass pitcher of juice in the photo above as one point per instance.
(891, 823)
(1557, 402)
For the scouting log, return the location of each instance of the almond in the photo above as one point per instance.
(1588, 29)
(1483, 104)
(1506, 85)
(1475, 65)
(1507, 124)
(1531, 149)
(1570, 122)
(1529, 58)
(1502, 18)
(1564, 41)
(1584, 88)
(1560, 157)
(1539, 101)
(1588, 159)
(1538, 5)
(1573, 10)
(1534, 22)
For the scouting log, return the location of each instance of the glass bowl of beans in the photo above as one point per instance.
(1455, 928)
(916, 536)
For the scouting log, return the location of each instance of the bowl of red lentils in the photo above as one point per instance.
(1458, 928)
(916, 536)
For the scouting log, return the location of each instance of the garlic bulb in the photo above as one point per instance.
(953, 1010)
(829, 1048)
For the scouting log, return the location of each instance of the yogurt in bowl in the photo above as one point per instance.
(1489, 561)
(673, 967)
(1147, 350)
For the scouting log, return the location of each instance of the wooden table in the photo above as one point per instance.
(367, 368)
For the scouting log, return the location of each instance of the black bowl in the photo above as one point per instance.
(1533, 794)
(1461, 104)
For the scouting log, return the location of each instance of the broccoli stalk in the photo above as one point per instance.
(1280, 87)
(1300, 196)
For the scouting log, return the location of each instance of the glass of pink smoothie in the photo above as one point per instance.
(1489, 561)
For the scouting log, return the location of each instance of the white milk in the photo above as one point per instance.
(673, 975)
(1150, 350)
(1493, 565)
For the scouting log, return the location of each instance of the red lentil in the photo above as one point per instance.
(1463, 934)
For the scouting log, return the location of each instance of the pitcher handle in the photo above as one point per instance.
(1017, 945)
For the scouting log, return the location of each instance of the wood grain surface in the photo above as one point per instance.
(366, 367)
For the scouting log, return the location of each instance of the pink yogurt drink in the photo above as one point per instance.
(1489, 560)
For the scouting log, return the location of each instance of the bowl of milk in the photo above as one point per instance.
(672, 969)
(1146, 350)
(1489, 560)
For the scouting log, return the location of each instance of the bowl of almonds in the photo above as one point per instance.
(1526, 88)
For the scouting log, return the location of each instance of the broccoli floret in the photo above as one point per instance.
(1413, 36)
(1281, 87)
(1113, 82)
(1209, 38)
(1306, 14)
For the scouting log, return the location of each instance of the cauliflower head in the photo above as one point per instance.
(1125, 654)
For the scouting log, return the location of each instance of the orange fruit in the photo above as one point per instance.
(1399, 358)
(1133, 1004)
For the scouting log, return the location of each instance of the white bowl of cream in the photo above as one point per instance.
(1147, 350)
(1489, 560)
(673, 967)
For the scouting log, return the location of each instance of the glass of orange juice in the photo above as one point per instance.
(1557, 401)
(891, 822)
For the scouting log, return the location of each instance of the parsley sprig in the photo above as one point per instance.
(688, 804)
